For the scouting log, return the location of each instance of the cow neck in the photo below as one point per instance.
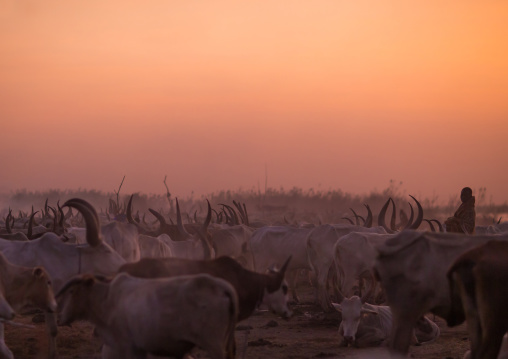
(80, 266)
(99, 305)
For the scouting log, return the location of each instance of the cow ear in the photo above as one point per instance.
(337, 307)
(38, 272)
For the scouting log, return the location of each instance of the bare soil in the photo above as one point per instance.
(310, 333)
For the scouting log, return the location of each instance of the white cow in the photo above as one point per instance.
(365, 325)
(272, 245)
(320, 251)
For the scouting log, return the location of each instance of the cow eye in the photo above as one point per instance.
(285, 289)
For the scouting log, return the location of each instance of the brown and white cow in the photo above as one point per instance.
(254, 289)
(164, 316)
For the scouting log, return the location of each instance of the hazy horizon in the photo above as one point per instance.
(323, 95)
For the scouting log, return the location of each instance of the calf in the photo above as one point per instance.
(254, 289)
(165, 316)
(20, 286)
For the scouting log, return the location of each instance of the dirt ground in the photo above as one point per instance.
(310, 333)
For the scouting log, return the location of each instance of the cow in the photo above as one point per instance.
(478, 289)
(320, 254)
(412, 269)
(164, 316)
(354, 254)
(153, 247)
(21, 286)
(254, 289)
(61, 260)
(365, 325)
(234, 241)
(271, 245)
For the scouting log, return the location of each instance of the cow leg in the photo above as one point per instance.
(402, 331)
(323, 297)
(4, 351)
(292, 275)
(50, 319)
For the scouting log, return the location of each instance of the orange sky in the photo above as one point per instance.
(328, 94)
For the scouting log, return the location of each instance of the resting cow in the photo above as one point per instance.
(365, 325)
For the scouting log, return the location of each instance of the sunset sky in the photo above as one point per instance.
(322, 94)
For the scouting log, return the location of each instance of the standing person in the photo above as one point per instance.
(463, 221)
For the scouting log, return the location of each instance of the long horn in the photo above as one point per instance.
(240, 210)
(87, 205)
(381, 220)
(55, 217)
(411, 217)
(247, 223)
(393, 218)
(419, 217)
(61, 223)
(129, 211)
(30, 225)
(160, 218)
(440, 226)
(432, 228)
(91, 220)
(179, 223)
(348, 219)
(368, 221)
(8, 222)
(356, 216)
(499, 221)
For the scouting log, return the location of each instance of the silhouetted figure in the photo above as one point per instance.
(463, 221)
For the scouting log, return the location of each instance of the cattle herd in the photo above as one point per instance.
(162, 289)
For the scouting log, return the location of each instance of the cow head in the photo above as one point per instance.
(74, 299)
(353, 311)
(276, 292)
(37, 290)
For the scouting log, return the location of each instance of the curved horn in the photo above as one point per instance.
(91, 220)
(87, 205)
(179, 223)
(348, 219)
(30, 225)
(411, 216)
(216, 215)
(499, 221)
(432, 228)
(440, 226)
(61, 223)
(368, 221)
(128, 214)
(381, 220)
(8, 222)
(419, 217)
(356, 216)
(393, 218)
(160, 218)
